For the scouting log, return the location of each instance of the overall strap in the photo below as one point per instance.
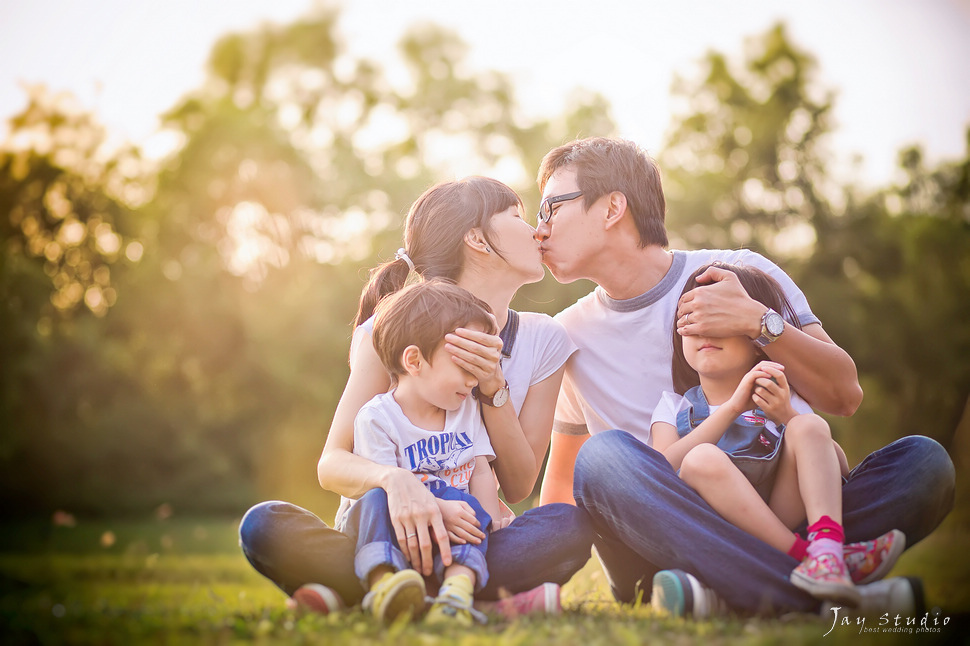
(699, 410)
(693, 415)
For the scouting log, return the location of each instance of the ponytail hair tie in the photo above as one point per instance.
(402, 255)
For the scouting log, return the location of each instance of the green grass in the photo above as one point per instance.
(183, 581)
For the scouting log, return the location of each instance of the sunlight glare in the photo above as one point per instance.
(384, 126)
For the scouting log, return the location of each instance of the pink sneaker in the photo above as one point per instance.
(826, 577)
(314, 597)
(870, 561)
(541, 600)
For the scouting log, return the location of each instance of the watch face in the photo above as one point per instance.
(775, 324)
(500, 397)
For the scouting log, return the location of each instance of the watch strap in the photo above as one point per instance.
(489, 400)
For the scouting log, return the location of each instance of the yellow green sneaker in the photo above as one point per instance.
(395, 595)
(453, 605)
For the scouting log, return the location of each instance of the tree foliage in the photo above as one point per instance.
(178, 333)
(747, 167)
(211, 381)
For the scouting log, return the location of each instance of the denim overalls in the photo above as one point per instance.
(754, 449)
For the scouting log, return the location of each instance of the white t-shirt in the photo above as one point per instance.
(534, 347)
(385, 435)
(671, 404)
(622, 364)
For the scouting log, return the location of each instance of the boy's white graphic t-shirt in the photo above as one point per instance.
(384, 434)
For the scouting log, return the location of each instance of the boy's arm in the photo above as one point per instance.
(482, 485)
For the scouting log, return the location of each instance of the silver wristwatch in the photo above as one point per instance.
(772, 325)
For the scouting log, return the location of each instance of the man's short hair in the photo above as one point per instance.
(422, 314)
(604, 165)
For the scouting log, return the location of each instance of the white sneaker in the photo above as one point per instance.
(680, 594)
(899, 595)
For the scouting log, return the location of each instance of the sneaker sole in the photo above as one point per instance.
(671, 594)
(552, 598)
(317, 598)
(899, 545)
(838, 592)
(919, 596)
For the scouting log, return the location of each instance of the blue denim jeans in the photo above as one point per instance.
(647, 519)
(291, 546)
(370, 521)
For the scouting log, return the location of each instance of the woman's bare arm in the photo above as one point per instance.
(517, 466)
(520, 441)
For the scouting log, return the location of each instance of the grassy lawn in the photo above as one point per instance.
(185, 581)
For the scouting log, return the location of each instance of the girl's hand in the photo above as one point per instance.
(417, 520)
(460, 521)
(772, 393)
(479, 353)
(741, 399)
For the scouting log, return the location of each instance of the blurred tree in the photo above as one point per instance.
(746, 167)
(67, 200)
(895, 285)
(65, 196)
(213, 380)
(298, 164)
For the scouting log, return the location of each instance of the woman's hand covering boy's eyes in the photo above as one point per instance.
(479, 353)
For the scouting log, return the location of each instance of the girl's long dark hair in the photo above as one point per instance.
(434, 232)
(759, 285)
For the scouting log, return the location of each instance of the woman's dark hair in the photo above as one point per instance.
(434, 232)
(759, 286)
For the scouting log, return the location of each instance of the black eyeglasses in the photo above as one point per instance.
(545, 208)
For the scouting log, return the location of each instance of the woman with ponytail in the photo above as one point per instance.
(471, 232)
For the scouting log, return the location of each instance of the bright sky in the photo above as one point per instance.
(901, 68)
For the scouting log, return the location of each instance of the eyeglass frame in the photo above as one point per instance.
(555, 199)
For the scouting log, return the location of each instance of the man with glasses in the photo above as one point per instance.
(602, 218)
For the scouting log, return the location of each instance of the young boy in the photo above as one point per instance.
(429, 424)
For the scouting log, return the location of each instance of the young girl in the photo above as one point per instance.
(724, 430)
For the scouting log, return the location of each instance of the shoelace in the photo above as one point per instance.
(477, 615)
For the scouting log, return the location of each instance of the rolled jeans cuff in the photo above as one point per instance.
(374, 555)
(469, 556)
